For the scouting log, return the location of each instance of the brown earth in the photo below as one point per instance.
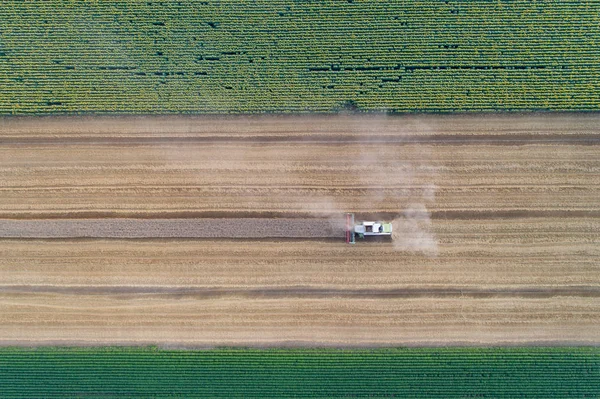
(497, 222)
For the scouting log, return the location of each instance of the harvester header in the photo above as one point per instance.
(365, 229)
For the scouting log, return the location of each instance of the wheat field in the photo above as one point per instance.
(496, 230)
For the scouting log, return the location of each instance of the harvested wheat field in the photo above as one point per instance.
(496, 230)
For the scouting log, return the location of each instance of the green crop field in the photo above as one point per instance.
(279, 373)
(254, 56)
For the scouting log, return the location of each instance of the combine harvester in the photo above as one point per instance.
(365, 229)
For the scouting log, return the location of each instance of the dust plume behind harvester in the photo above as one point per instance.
(365, 229)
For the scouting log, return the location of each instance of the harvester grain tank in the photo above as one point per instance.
(365, 229)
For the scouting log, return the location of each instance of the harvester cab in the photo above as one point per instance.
(365, 229)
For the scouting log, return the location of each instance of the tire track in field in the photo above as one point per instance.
(309, 292)
(433, 139)
(312, 216)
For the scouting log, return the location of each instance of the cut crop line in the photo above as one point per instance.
(309, 292)
(442, 139)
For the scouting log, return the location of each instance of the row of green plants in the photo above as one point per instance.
(533, 372)
(249, 56)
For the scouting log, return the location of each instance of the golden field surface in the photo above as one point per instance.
(496, 230)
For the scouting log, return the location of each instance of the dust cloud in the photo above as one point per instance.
(412, 228)
(362, 175)
(412, 231)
